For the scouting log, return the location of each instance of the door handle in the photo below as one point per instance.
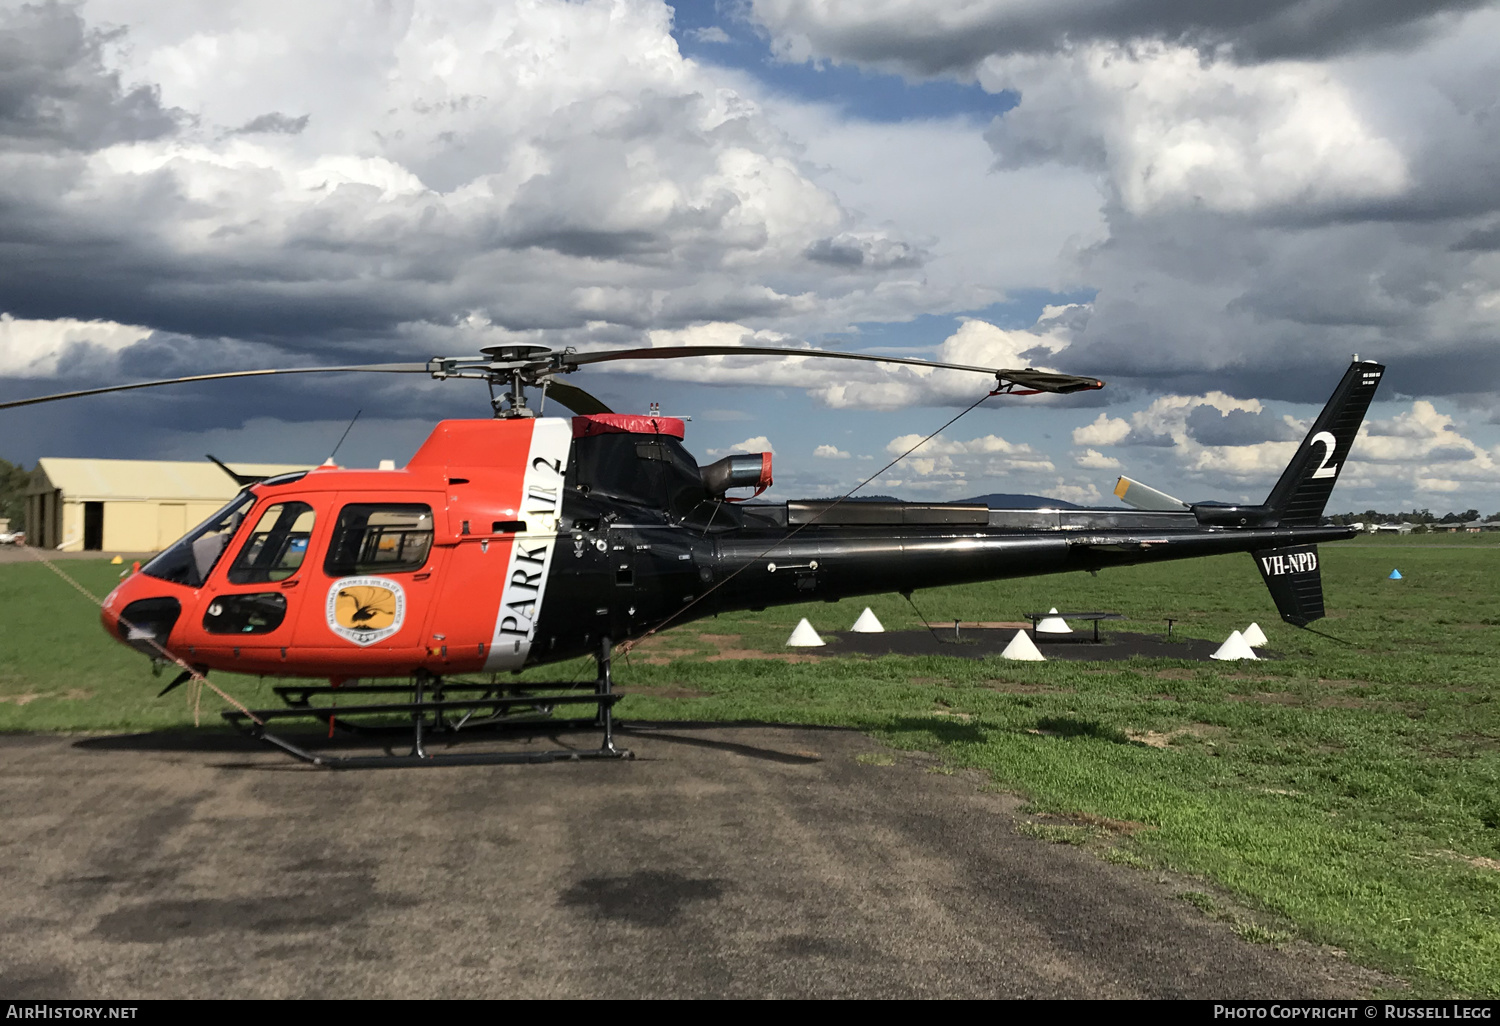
(289, 584)
(421, 576)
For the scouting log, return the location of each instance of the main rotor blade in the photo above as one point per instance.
(371, 368)
(1042, 381)
(575, 398)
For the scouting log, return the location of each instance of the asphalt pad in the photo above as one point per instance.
(748, 860)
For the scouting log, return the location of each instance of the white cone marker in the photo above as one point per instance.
(1053, 624)
(1235, 647)
(868, 623)
(805, 637)
(1023, 648)
(1254, 636)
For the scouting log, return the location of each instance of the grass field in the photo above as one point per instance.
(1347, 794)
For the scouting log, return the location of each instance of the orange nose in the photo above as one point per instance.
(141, 610)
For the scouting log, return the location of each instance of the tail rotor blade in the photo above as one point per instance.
(1143, 496)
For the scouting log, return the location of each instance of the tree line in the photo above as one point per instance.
(1423, 517)
(13, 480)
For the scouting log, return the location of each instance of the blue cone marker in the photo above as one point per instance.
(1395, 575)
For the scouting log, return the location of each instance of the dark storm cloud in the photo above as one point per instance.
(1238, 427)
(916, 38)
(1483, 240)
(55, 91)
(1192, 302)
(609, 190)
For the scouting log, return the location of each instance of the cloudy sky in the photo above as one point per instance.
(1210, 206)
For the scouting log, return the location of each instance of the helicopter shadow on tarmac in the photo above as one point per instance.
(667, 732)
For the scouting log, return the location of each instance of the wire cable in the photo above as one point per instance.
(627, 646)
(196, 680)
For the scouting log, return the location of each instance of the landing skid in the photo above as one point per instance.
(489, 710)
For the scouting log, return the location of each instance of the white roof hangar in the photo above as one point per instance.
(127, 505)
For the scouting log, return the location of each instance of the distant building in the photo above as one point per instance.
(126, 505)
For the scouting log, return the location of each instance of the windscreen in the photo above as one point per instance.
(191, 558)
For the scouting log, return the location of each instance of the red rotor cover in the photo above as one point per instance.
(627, 424)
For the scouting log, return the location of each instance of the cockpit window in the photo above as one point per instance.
(276, 546)
(191, 558)
(379, 538)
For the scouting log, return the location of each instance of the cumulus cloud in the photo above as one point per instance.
(830, 452)
(1093, 459)
(1081, 494)
(844, 384)
(1229, 443)
(1283, 183)
(1423, 435)
(43, 349)
(1170, 130)
(1105, 430)
(1213, 426)
(709, 34)
(1213, 419)
(760, 443)
(952, 464)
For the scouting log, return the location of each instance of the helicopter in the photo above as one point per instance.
(523, 539)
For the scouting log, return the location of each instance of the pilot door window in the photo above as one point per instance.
(384, 538)
(277, 545)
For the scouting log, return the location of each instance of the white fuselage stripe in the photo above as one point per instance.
(531, 551)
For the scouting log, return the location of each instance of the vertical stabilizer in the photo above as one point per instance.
(1299, 497)
(1294, 581)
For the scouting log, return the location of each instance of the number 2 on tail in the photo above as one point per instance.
(1327, 441)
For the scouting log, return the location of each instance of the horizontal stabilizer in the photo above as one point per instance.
(1295, 582)
(1145, 497)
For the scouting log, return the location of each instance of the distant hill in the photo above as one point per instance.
(1005, 500)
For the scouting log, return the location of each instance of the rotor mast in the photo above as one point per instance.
(514, 368)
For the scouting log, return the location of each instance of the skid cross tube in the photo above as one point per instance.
(1036, 618)
(427, 710)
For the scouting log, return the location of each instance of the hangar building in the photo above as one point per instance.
(126, 505)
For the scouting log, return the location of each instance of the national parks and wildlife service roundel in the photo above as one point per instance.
(365, 610)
